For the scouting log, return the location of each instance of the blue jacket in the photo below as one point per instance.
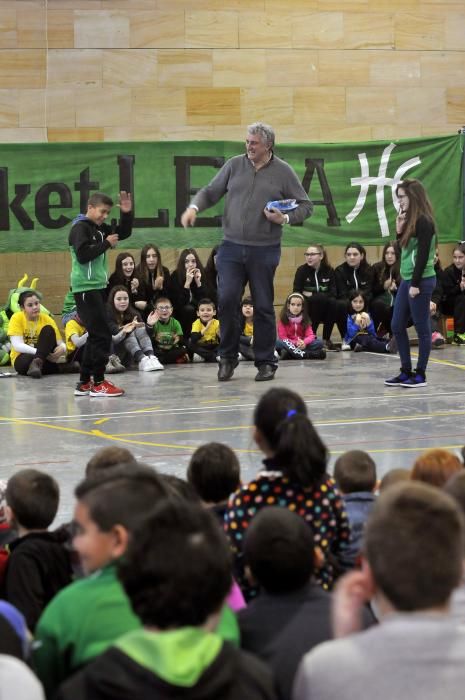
(353, 329)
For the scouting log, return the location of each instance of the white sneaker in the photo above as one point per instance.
(345, 346)
(156, 364)
(145, 364)
(116, 363)
(240, 357)
(196, 358)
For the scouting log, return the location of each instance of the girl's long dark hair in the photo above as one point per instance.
(283, 316)
(281, 417)
(128, 315)
(386, 270)
(119, 274)
(419, 205)
(143, 270)
(181, 266)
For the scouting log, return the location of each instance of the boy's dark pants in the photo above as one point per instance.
(91, 308)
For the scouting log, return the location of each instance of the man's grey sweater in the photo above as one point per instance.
(247, 191)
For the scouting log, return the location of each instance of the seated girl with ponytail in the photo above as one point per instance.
(293, 476)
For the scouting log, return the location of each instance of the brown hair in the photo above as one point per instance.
(142, 268)
(355, 471)
(435, 467)
(414, 543)
(321, 249)
(419, 205)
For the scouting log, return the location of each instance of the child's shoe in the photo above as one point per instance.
(345, 346)
(83, 388)
(145, 364)
(418, 378)
(397, 381)
(156, 364)
(105, 388)
(459, 339)
(35, 368)
(437, 339)
(183, 359)
(117, 364)
(196, 358)
(391, 346)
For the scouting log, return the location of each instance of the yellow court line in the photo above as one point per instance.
(98, 433)
(437, 361)
(101, 420)
(230, 398)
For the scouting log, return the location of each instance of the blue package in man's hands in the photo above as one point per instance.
(282, 204)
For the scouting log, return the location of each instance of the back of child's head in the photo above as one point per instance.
(278, 548)
(214, 472)
(98, 198)
(121, 495)
(414, 543)
(455, 487)
(435, 467)
(33, 496)
(109, 457)
(181, 575)
(179, 488)
(281, 419)
(394, 476)
(355, 471)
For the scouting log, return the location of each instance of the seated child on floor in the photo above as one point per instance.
(166, 331)
(246, 339)
(355, 476)
(205, 335)
(75, 337)
(129, 334)
(296, 339)
(361, 334)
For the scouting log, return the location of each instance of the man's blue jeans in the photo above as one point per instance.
(236, 265)
(416, 308)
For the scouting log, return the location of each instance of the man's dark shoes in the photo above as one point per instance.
(265, 373)
(226, 369)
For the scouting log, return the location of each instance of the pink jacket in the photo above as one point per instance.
(294, 332)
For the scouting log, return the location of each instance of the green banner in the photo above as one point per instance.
(43, 186)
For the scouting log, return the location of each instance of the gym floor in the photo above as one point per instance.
(165, 415)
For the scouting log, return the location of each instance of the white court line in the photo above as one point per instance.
(228, 408)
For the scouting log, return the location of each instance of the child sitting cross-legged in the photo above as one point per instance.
(361, 334)
(129, 334)
(166, 331)
(176, 582)
(205, 335)
(296, 339)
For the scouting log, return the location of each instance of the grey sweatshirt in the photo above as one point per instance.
(247, 191)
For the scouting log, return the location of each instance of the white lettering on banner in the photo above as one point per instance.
(381, 181)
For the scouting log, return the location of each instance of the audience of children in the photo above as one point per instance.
(294, 476)
(129, 335)
(296, 339)
(355, 477)
(360, 333)
(167, 335)
(204, 339)
(317, 283)
(157, 572)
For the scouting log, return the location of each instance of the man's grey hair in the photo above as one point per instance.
(265, 132)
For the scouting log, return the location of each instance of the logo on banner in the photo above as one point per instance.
(380, 182)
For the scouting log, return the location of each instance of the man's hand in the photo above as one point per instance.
(275, 216)
(188, 217)
(113, 239)
(125, 202)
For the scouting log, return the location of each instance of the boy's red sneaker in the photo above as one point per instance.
(105, 388)
(83, 388)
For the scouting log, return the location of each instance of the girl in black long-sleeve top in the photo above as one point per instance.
(386, 280)
(453, 289)
(189, 286)
(316, 282)
(354, 273)
(154, 279)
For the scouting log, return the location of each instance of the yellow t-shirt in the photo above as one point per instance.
(248, 329)
(212, 335)
(72, 328)
(29, 330)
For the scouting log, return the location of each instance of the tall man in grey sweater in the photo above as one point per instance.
(251, 248)
(414, 545)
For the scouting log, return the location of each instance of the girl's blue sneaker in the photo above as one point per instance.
(400, 379)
